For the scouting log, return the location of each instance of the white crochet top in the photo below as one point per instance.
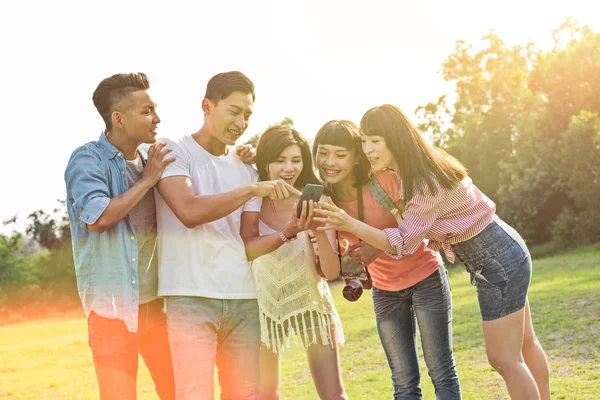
(293, 297)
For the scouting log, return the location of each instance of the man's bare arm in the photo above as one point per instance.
(193, 210)
(257, 245)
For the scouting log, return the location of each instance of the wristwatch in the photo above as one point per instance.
(286, 239)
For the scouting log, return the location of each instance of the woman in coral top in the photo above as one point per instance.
(413, 289)
(444, 206)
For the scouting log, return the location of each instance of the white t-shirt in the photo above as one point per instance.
(208, 260)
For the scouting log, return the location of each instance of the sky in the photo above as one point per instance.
(312, 61)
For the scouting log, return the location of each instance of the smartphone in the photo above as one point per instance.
(310, 192)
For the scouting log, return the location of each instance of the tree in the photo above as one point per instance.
(569, 76)
(536, 187)
(490, 95)
(52, 232)
(13, 260)
(511, 122)
(578, 165)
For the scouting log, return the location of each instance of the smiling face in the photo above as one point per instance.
(287, 166)
(138, 119)
(228, 118)
(379, 155)
(335, 163)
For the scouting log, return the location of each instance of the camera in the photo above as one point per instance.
(354, 287)
(356, 276)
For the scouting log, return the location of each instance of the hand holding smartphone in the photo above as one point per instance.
(310, 192)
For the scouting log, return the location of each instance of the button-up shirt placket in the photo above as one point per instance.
(130, 283)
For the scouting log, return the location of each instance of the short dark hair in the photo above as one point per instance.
(273, 142)
(222, 85)
(345, 134)
(419, 163)
(113, 89)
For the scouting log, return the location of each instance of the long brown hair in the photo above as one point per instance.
(419, 163)
(345, 134)
(273, 142)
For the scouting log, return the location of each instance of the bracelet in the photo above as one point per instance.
(284, 238)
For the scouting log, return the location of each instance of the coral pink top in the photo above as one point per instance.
(389, 273)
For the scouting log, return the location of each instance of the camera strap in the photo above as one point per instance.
(359, 198)
(383, 199)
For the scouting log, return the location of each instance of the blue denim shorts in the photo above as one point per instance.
(500, 267)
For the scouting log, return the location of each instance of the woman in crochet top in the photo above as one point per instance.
(294, 299)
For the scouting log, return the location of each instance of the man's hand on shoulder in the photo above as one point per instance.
(246, 153)
(157, 162)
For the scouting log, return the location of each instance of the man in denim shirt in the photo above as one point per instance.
(112, 213)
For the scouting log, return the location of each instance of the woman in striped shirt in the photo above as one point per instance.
(443, 206)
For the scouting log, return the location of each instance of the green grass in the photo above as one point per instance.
(50, 359)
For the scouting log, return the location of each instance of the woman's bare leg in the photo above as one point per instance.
(270, 374)
(535, 358)
(503, 343)
(324, 364)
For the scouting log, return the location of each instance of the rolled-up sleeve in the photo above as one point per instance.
(420, 214)
(87, 184)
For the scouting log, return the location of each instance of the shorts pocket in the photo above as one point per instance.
(493, 273)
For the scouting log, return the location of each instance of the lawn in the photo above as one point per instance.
(50, 359)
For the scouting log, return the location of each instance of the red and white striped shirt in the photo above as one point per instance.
(451, 216)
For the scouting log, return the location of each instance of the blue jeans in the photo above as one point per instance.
(115, 351)
(203, 331)
(429, 303)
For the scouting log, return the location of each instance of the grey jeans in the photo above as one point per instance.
(429, 303)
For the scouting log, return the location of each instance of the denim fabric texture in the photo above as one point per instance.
(106, 263)
(500, 268)
(428, 307)
(205, 331)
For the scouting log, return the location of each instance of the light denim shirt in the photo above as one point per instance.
(106, 263)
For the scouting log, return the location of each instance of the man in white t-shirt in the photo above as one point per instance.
(212, 312)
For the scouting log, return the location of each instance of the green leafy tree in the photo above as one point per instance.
(578, 166)
(536, 189)
(491, 93)
(14, 262)
(55, 268)
(569, 75)
(511, 123)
